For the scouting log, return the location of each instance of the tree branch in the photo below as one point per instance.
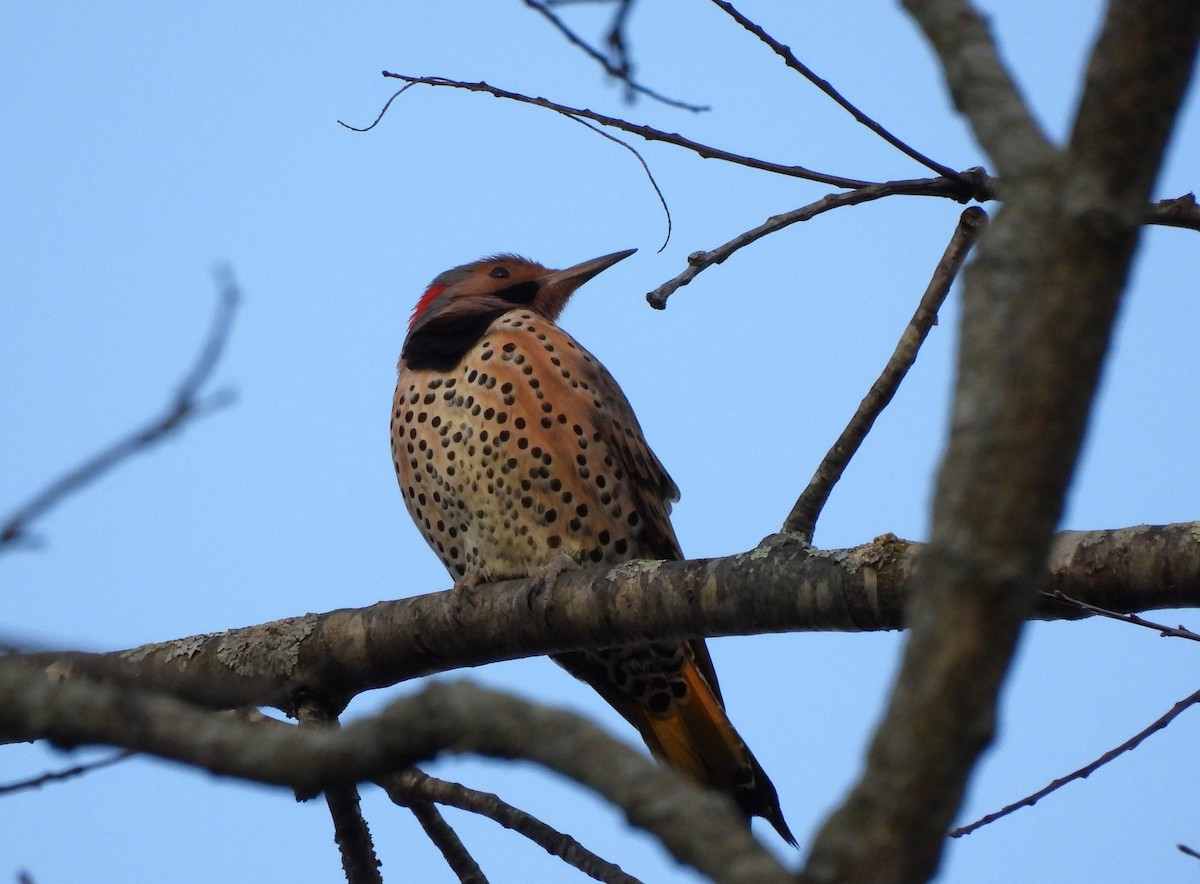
(1038, 308)
(978, 187)
(780, 587)
(785, 53)
(350, 829)
(802, 520)
(698, 826)
(981, 86)
(647, 132)
(1083, 772)
(413, 785)
(622, 72)
(185, 406)
(447, 842)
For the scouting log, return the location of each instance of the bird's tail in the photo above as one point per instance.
(696, 736)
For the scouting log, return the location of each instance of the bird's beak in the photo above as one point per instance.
(574, 277)
(557, 286)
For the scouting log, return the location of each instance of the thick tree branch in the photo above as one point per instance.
(699, 827)
(783, 586)
(1038, 308)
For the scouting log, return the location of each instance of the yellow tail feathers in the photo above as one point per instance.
(695, 735)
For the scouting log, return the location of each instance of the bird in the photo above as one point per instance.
(517, 453)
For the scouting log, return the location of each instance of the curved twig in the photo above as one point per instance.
(662, 199)
(802, 520)
(383, 110)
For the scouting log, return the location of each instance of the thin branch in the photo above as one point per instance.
(447, 841)
(1083, 772)
(185, 405)
(647, 132)
(1165, 631)
(616, 34)
(350, 829)
(623, 71)
(802, 520)
(982, 87)
(415, 785)
(979, 187)
(68, 773)
(785, 53)
(1183, 848)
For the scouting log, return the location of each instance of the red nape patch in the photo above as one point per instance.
(426, 299)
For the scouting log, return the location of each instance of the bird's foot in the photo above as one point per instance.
(549, 576)
(783, 540)
(463, 594)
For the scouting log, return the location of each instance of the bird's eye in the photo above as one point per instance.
(499, 273)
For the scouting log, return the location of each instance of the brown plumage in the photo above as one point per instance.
(513, 447)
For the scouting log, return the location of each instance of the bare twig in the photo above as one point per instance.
(350, 829)
(802, 520)
(447, 841)
(785, 53)
(1165, 631)
(622, 71)
(980, 188)
(1083, 772)
(1183, 848)
(185, 405)
(55, 776)
(647, 132)
(414, 785)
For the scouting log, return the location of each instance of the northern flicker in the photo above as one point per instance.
(514, 447)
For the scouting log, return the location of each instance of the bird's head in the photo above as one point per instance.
(498, 284)
(460, 304)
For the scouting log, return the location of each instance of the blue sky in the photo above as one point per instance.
(146, 143)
